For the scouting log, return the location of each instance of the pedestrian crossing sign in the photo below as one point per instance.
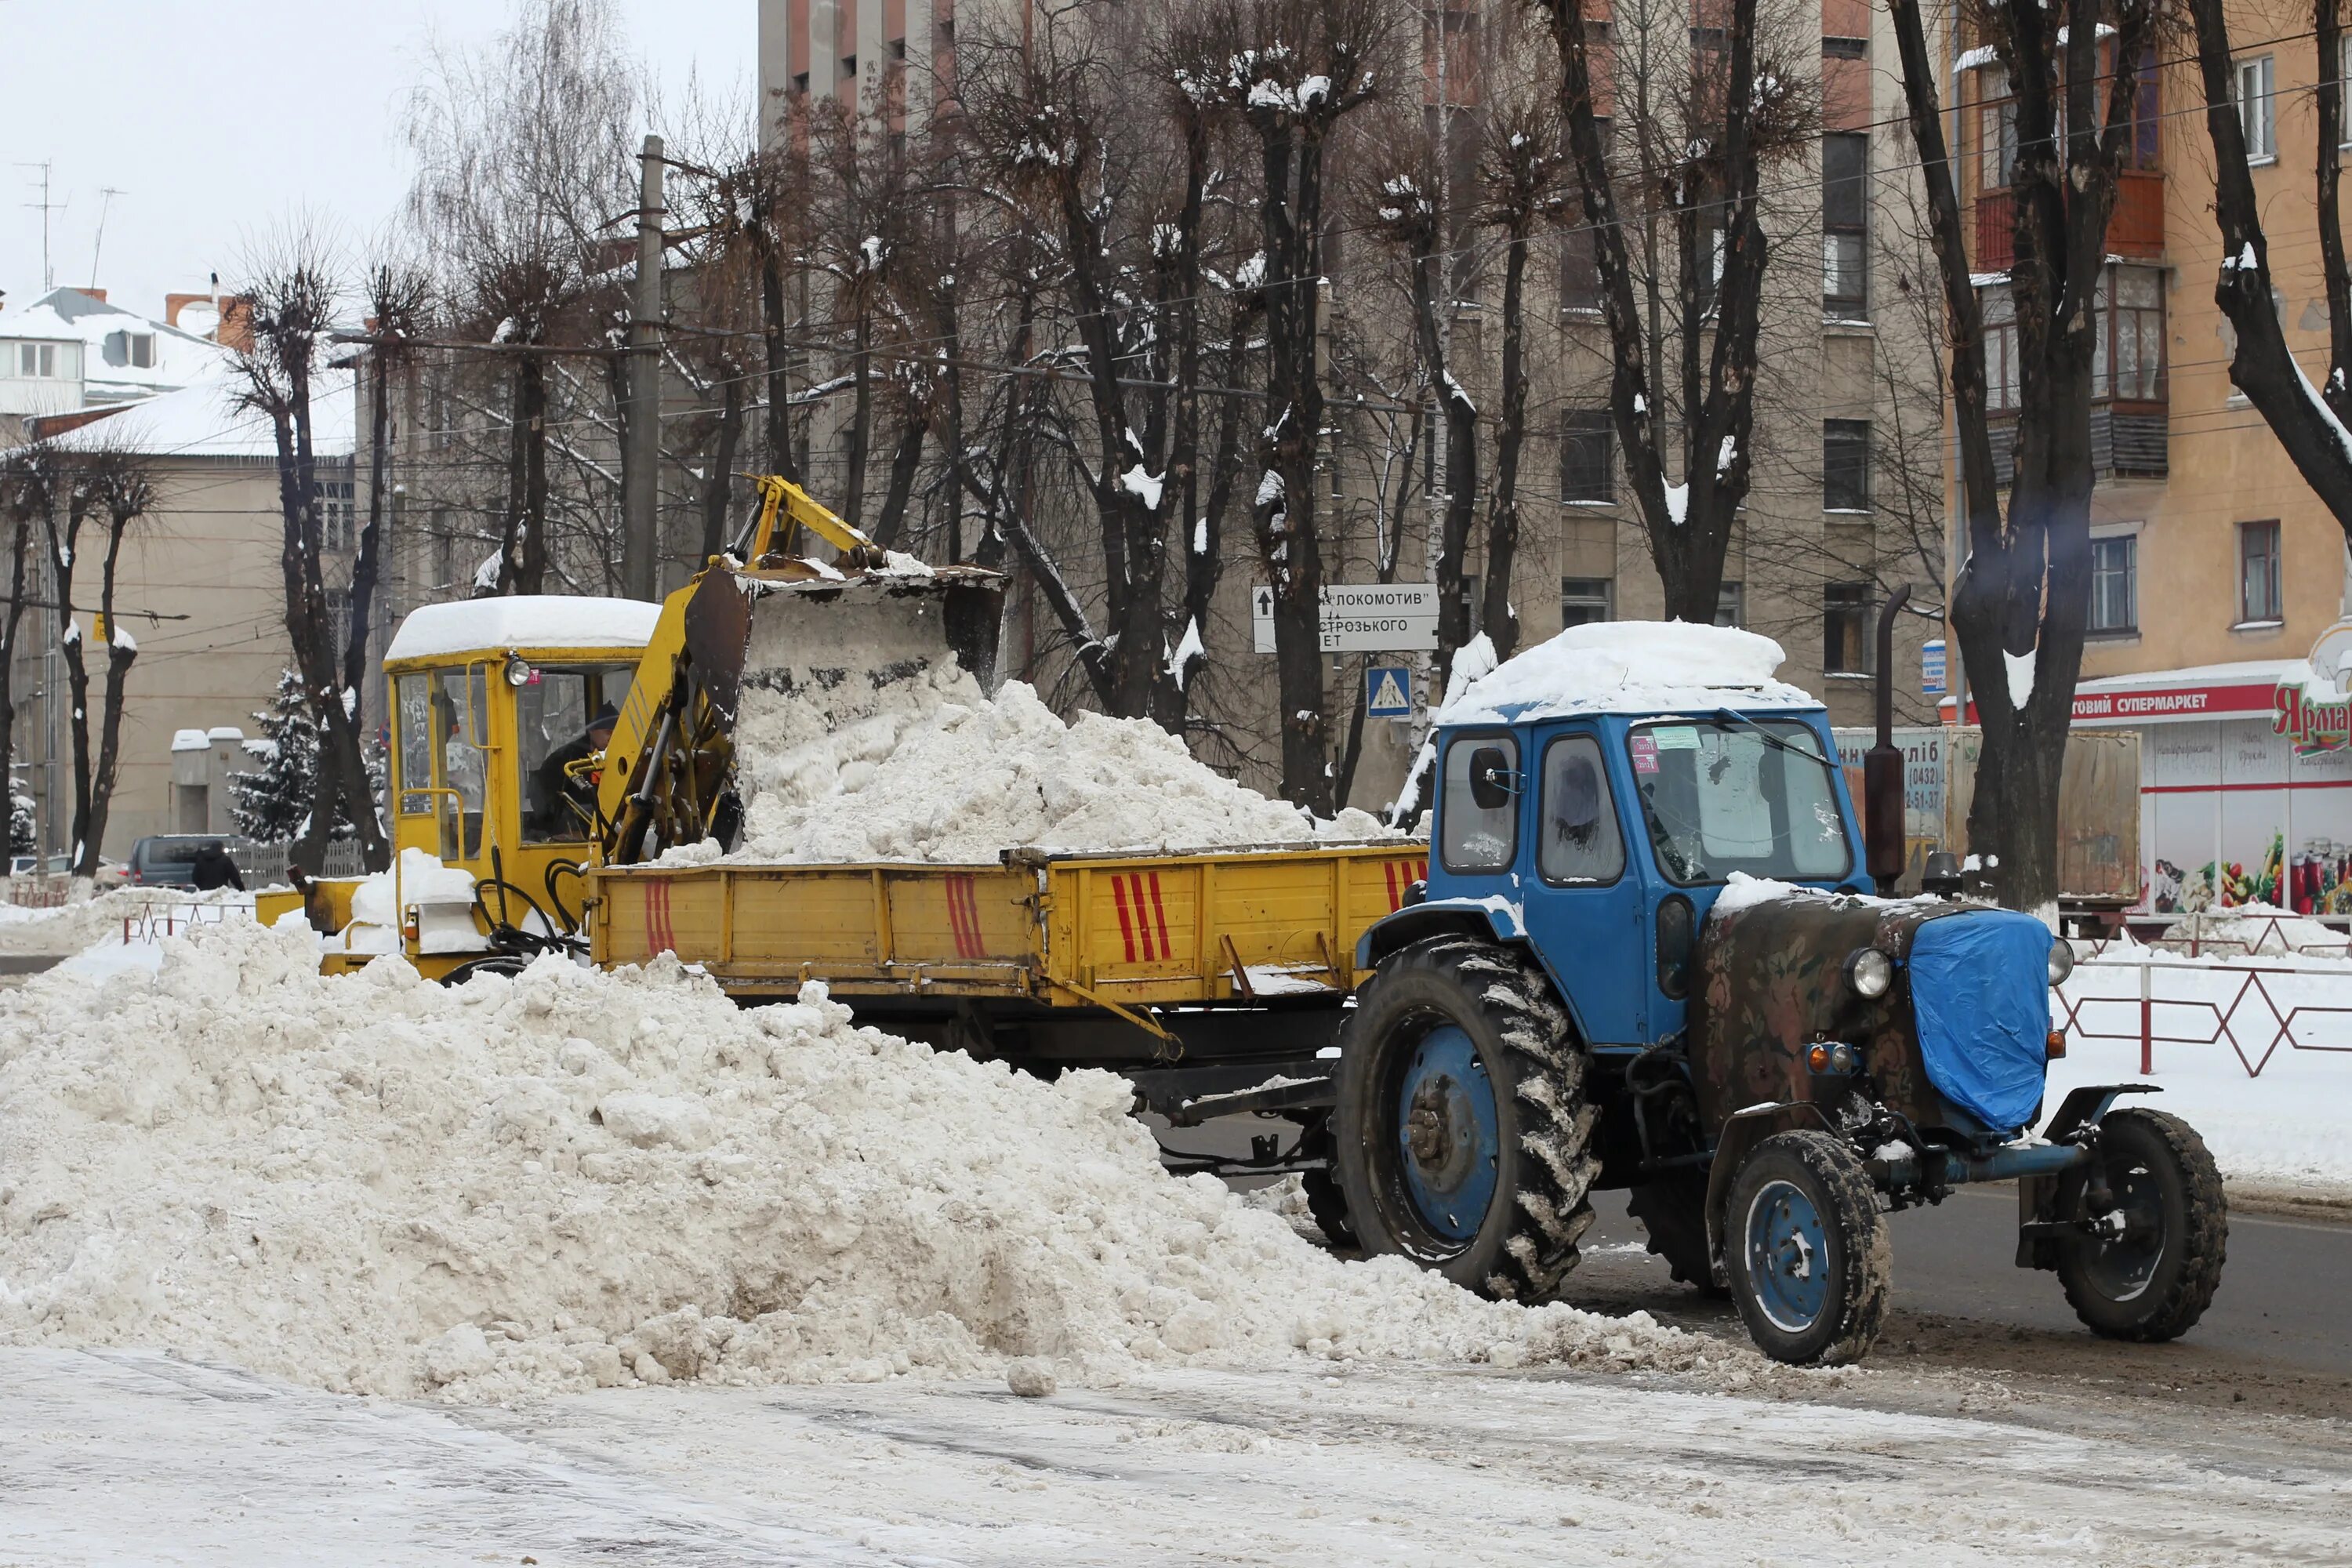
(1388, 692)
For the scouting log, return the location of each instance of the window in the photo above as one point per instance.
(1997, 142)
(2001, 349)
(339, 618)
(2258, 573)
(440, 718)
(2128, 341)
(1751, 796)
(1588, 455)
(38, 360)
(1480, 830)
(1584, 600)
(1845, 206)
(143, 351)
(1845, 465)
(2148, 117)
(2114, 586)
(336, 529)
(1579, 839)
(551, 715)
(1839, 48)
(2342, 76)
(1731, 605)
(1846, 647)
(2257, 110)
(1579, 260)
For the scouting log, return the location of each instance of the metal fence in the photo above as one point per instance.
(2255, 1010)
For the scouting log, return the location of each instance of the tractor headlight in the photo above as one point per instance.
(1870, 973)
(517, 671)
(2061, 960)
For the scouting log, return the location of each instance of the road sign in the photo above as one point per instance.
(1388, 692)
(1931, 668)
(1361, 617)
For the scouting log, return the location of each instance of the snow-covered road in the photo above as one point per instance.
(126, 1457)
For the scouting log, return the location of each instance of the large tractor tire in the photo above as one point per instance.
(2150, 1271)
(1463, 1135)
(1673, 1212)
(1807, 1251)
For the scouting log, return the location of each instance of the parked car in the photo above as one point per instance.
(23, 864)
(168, 859)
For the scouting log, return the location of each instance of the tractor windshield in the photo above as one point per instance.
(1751, 796)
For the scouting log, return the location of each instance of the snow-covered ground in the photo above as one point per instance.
(2281, 1127)
(126, 1457)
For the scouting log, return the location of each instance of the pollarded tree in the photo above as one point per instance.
(2020, 604)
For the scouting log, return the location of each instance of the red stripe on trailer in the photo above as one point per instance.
(972, 917)
(1126, 926)
(1167, 948)
(1142, 917)
(955, 890)
(1388, 869)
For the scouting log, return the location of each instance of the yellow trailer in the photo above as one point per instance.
(1234, 962)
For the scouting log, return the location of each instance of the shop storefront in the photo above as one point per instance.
(2245, 778)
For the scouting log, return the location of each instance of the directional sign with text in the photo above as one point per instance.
(1362, 618)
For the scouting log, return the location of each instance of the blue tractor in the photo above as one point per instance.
(1649, 956)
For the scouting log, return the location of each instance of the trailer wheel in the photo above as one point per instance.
(2149, 1265)
(1673, 1212)
(1806, 1249)
(1329, 1205)
(1463, 1135)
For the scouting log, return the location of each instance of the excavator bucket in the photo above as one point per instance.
(842, 632)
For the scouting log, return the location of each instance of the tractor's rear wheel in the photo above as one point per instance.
(1463, 1134)
(2148, 1268)
(1672, 1211)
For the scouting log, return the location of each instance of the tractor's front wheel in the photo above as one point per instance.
(2157, 1228)
(1806, 1249)
(1463, 1135)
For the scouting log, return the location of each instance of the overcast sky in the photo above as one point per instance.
(216, 117)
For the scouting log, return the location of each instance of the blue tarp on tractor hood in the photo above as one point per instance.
(1980, 994)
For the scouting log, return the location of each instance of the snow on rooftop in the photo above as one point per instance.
(206, 420)
(523, 621)
(1630, 667)
(109, 375)
(190, 740)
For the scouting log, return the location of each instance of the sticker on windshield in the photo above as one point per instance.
(1645, 754)
(1676, 737)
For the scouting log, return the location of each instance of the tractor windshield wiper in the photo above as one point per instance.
(1776, 741)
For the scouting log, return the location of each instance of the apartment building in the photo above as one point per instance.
(2215, 571)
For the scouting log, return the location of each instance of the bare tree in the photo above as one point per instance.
(524, 162)
(2309, 422)
(1707, 122)
(30, 482)
(1294, 71)
(293, 313)
(108, 487)
(399, 295)
(2019, 606)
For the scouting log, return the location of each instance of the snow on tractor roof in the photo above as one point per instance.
(523, 621)
(1629, 666)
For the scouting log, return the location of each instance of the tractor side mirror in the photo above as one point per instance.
(1491, 778)
(1677, 933)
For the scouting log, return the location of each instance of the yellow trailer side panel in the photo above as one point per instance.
(1070, 931)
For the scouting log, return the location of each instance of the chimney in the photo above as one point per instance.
(96, 294)
(235, 328)
(175, 303)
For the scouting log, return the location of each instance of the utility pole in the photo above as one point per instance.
(97, 246)
(640, 476)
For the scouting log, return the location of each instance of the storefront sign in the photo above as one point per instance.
(2161, 703)
(2320, 724)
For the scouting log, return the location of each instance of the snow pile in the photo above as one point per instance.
(572, 1178)
(2257, 931)
(69, 928)
(928, 768)
(1630, 667)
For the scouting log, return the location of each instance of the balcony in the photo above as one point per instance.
(2129, 441)
(2136, 229)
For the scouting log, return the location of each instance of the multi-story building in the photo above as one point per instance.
(2215, 570)
(199, 587)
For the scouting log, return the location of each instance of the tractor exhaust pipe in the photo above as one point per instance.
(1881, 765)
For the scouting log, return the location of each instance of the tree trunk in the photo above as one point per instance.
(861, 421)
(719, 485)
(906, 458)
(83, 853)
(1500, 620)
(775, 326)
(1461, 454)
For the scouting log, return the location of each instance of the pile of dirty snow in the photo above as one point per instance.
(928, 768)
(70, 928)
(573, 1178)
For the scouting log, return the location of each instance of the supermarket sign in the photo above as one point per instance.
(2157, 704)
(2314, 713)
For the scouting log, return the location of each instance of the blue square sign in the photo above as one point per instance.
(1388, 692)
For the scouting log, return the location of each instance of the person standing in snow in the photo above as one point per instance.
(212, 870)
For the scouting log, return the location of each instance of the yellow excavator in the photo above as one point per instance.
(536, 737)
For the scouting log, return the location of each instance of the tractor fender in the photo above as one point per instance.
(1489, 919)
(1742, 1132)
